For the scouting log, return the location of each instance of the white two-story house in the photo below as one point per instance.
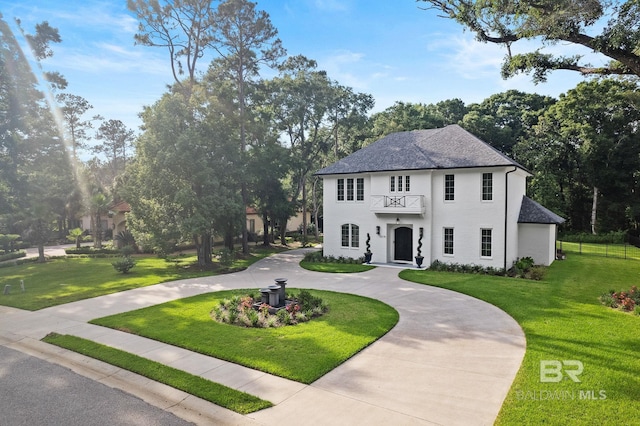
(442, 191)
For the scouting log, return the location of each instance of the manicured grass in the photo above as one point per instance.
(221, 395)
(621, 251)
(70, 279)
(563, 320)
(335, 267)
(302, 352)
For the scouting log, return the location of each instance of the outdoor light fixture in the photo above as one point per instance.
(377, 230)
(397, 220)
(421, 232)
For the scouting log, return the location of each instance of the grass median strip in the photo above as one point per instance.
(221, 395)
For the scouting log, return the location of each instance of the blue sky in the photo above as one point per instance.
(390, 49)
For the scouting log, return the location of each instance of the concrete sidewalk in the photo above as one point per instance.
(450, 360)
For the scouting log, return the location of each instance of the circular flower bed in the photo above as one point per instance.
(247, 311)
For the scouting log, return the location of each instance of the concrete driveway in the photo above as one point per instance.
(450, 360)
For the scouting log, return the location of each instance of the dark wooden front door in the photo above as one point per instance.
(403, 244)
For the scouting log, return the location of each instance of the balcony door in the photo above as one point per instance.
(403, 244)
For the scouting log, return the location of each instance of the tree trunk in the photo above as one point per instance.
(97, 233)
(283, 231)
(594, 210)
(41, 257)
(265, 230)
(315, 210)
(304, 211)
(203, 248)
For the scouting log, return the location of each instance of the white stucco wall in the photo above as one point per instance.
(467, 214)
(538, 241)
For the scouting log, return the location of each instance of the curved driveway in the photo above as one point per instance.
(450, 360)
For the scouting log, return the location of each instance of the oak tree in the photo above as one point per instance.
(610, 28)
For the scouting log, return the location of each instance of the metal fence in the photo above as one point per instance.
(627, 250)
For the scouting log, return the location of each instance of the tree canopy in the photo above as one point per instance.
(611, 28)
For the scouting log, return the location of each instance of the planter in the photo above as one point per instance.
(367, 257)
(419, 260)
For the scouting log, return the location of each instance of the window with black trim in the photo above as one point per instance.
(340, 189)
(350, 189)
(403, 183)
(360, 189)
(448, 240)
(487, 186)
(350, 235)
(449, 187)
(486, 243)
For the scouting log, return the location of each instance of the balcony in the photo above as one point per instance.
(398, 204)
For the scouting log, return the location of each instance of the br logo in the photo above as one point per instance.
(554, 371)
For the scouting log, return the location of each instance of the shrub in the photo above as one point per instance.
(283, 316)
(12, 255)
(523, 268)
(536, 273)
(307, 301)
(614, 237)
(90, 251)
(226, 257)
(241, 311)
(124, 264)
(126, 239)
(627, 301)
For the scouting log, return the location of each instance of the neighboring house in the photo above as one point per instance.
(465, 199)
(115, 219)
(255, 223)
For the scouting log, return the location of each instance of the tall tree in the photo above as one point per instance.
(504, 119)
(611, 28)
(587, 145)
(33, 164)
(245, 39)
(116, 140)
(304, 102)
(406, 116)
(73, 108)
(195, 195)
(183, 27)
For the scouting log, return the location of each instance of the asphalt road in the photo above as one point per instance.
(34, 392)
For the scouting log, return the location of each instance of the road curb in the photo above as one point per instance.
(181, 404)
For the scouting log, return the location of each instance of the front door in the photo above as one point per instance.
(403, 244)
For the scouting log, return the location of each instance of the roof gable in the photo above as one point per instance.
(450, 147)
(532, 212)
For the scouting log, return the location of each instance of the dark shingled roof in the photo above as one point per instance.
(532, 212)
(450, 147)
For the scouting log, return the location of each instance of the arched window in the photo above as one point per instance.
(350, 235)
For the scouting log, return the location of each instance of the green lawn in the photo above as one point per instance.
(223, 396)
(563, 320)
(303, 352)
(621, 251)
(333, 267)
(69, 279)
